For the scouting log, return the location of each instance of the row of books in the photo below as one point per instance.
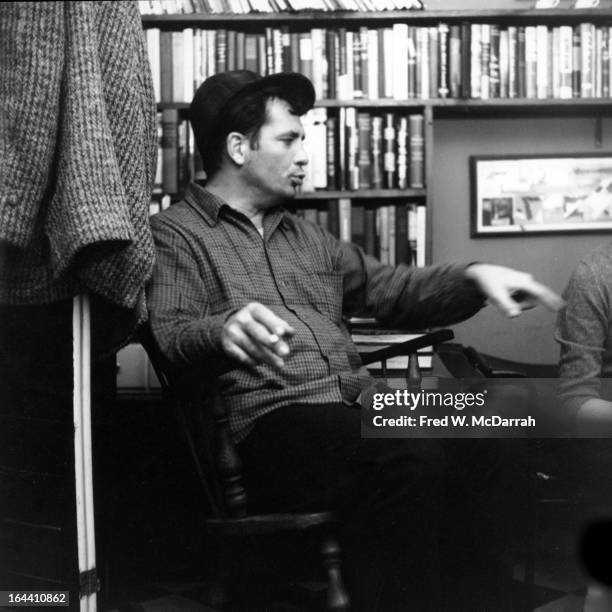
(392, 233)
(348, 150)
(400, 62)
(351, 149)
(243, 7)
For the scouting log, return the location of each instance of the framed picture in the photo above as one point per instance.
(541, 194)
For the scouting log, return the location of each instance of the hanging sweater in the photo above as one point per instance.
(77, 157)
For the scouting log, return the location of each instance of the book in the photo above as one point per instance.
(485, 57)
(587, 60)
(377, 152)
(344, 218)
(576, 62)
(166, 65)
(513, 62)
(494, 62)
(455, 61)
(389, 159)
(364, 159)
(170, 153)
(443, 60)
(565, 62)
(402, 148)
(417, 151)
(542, 62)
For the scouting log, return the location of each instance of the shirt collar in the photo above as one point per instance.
(207, 204)
(210, 206)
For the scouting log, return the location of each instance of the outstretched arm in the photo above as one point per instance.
(511, 291)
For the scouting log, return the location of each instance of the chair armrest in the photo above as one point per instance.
(485, 368)
(408, 347)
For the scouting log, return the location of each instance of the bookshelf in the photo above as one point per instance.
(452, 91)
(476, 63)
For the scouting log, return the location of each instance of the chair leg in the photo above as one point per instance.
(337, 597)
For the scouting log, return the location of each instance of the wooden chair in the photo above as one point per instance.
(219, 469)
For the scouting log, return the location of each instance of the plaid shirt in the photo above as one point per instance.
(212, 261)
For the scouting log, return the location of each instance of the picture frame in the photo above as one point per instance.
(540, 194)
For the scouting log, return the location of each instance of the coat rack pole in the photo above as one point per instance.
(81, 330)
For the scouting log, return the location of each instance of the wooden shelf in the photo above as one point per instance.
(362, 194)
(451, 107)
(501, 16)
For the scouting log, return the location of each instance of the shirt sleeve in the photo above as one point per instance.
(178, 304)
(582, 329)
(406, 296)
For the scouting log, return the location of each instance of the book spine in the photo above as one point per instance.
(423, 63)
(169, 145)
(455, 62)
(221, 51)
(466, 60)
(475, 60)
(409, 76)
(565, 62)
(333, 169)
(576, 62)
(417, 151)
(389, 157)
(586, 59)
(504, 63)
(432, 61)
(166, 78)
(485, 57)
(344, 215)
(443, 60)
(531, 62)
(306, 54)
(352, 146)
(513, 62)
(494, 62)
(543, 59)
(402, 153)
(375, 64)
(400, 71)
(178, 81)
(377, 154)
(333, 53)
(364, 129)
(421, 212)
(605, 63)
(358, 225)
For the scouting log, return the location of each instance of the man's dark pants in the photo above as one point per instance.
(424, 522)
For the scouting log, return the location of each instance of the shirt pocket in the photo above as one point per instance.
(324, 293)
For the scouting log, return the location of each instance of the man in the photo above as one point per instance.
(246, 288)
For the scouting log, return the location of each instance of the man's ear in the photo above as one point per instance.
(236, 144)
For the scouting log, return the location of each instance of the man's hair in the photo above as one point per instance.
(245, 114)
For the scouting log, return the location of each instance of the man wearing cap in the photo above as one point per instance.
(244, 287)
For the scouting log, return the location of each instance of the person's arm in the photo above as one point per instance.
(582, 330)
(180, 319)
(436, 295)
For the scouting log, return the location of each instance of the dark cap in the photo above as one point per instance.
(218, 90)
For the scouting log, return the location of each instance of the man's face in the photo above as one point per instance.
(274, 165)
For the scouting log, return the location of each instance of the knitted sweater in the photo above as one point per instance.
(77, 156)
(584, 329)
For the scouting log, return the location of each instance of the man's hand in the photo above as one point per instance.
(510, 290)
(254, 335)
